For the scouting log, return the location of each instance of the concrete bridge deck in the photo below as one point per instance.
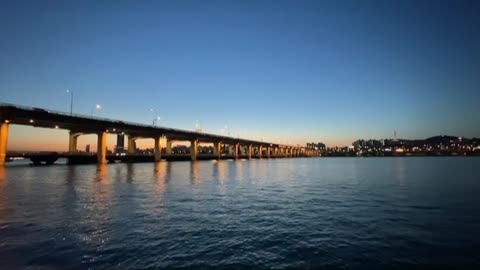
(80, 124)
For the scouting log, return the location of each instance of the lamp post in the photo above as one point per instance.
(97, 106)
(197, 126)
(71, 101)
(155, 120)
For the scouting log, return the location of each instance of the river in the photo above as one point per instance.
(335, 213)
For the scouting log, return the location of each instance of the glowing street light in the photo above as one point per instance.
(97, 107)
(71, 100)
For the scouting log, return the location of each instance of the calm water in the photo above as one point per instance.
(336, 213)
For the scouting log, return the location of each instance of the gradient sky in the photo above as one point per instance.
(293, 71)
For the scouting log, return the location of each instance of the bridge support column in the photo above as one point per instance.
(72, 142)
(249, 151)
(236, 148)
(168, 150)
(268, 151)
(194, 149)
(158, 149)
(102, 148)
(3, 143)
(217, 150)
(260, 151)
(131, 145)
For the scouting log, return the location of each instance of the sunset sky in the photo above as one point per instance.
(284, 71)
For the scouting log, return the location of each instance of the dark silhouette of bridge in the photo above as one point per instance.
(80, 125)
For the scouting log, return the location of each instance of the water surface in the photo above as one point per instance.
(335, 213)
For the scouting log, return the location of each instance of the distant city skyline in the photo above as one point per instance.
(289, 71)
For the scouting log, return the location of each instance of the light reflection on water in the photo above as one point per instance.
(337, 213)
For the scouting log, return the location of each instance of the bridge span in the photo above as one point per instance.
(80, 125)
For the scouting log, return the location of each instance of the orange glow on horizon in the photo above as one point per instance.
(26, 138)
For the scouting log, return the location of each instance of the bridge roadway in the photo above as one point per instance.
(80, 124)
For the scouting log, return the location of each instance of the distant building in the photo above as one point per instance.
(87, 148)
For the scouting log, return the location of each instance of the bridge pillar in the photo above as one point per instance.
(158, 148)
(249, 151)
(268, 151)
(236, 148)
(131, 145)
(217, 150)
(194, 149)
(168, 150)
(260, 149)
(102, 148)
(3, 143)
(72, 142)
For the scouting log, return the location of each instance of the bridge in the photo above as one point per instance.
(223, 146)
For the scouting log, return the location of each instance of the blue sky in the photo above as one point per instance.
(293, 71)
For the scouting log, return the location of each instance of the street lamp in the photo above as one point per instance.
(71, 101)
(97, 106)
(156, 119)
